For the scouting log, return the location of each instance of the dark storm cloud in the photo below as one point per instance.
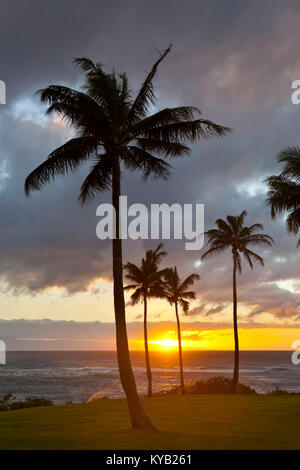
(236, 62)
(38, 40)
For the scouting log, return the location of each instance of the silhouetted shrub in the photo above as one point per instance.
(279, 391)
(214, 385)
(9, 402)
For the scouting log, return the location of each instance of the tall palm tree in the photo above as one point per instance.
(147, 283)
(114, 129)
(284, 189)
(232, 233)
(176, 293)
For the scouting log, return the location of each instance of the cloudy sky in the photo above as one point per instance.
(236, 63)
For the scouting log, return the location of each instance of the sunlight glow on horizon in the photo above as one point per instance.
(167, 343)
(221, 340)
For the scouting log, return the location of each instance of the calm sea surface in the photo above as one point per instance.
(75, 376)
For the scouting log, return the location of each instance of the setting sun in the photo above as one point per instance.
(166, 343)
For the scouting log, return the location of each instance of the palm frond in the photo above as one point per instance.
(184, 305)
(188, 295)
(137, 159)
(156, 291)
(154, 257)
(189, 281)
(247, 231)
(163, 117)
(252, 256)
(283, 194)
(137, 296)
(213, 251)
(98, 180)
(146, 95)
(168, 149)
(85, 64)
(124, 87)
(130, 286)
(290, 156)
(134, 273)
(293, 221)
(75, 108)
(258, 239)
(234, 224)
(186, 131)
(241, 217)
(222, 227)
(62, 160)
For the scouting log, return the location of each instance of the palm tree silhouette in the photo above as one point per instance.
(232, 233)
(147, 283)
(176, 293)
(284, 189)
(112, 128)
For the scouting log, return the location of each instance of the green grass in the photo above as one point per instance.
(184, 422)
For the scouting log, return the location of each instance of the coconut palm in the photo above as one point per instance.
(147, 283)
(114, 129)
(232, 233)
(284, 189)
(176, 293)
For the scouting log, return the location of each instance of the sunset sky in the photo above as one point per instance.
(238, 67)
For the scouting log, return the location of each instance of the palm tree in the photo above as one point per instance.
(284, 189)
(176, 293)
(146, 282)
(112, 128)
(232, 233)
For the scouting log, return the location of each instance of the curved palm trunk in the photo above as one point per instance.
(139, 418)
(180, 350)
(235, 380)
(149, 375)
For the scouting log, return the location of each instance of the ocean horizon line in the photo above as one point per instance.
(152, 351)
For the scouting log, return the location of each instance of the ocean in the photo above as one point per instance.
(65, 376)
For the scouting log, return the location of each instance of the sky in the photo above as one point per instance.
(237, 64)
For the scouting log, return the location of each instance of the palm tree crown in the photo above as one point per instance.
(175, 290)
(284, 189)
(232, 233)
(108, 122)
(146, 279)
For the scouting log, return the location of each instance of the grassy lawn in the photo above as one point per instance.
(184, 422)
